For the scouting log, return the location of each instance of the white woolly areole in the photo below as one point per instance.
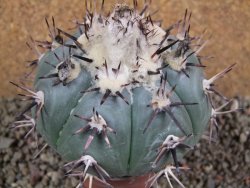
(160, 102)
(39, 97)
(206, 85)
(74, 73)
(97, 122)
(121, 38)
(88, 160)
(172, 141)
(112, 81)
(176, 63)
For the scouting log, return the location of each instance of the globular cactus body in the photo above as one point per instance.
(122, 96)
(129, 91)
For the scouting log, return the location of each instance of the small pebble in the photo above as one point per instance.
(243, 138)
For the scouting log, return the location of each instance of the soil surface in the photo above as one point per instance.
(227, 21)
(223, 164)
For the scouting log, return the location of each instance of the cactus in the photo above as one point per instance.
(121, 96)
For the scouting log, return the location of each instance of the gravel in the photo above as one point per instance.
(225, 163)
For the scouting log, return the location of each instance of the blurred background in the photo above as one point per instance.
(227, 21)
